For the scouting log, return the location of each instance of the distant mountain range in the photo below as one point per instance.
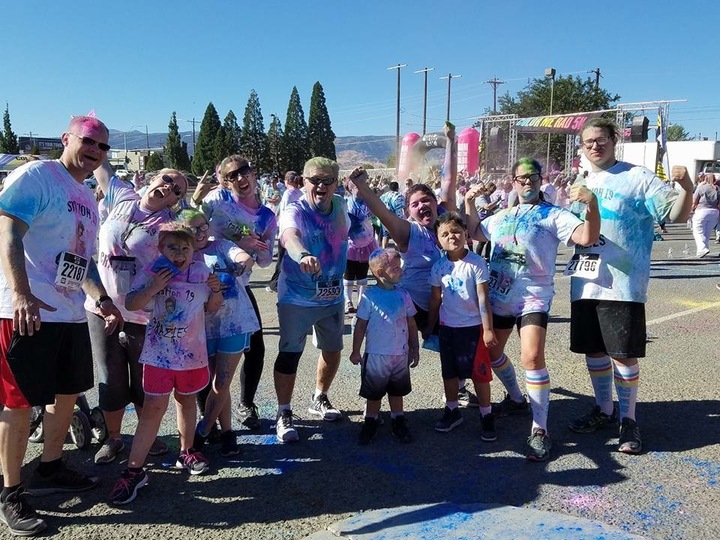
(351, 151)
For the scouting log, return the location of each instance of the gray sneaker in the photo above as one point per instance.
(109, 451)
(539, 444)
(323, 408)
(285, 427)
(594, 420)
(19, 516)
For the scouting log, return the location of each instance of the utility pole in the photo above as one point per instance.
(425, 71)
(495, 82)
(193, 122)
(147, 138)
(449, 78)
(397, 116)
(596, 71)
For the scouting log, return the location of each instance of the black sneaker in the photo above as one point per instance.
(539, 444)
(400, 430)
(595, 419)
(487, 432)
(125, 489)
(248, 416)
(228, 444)
(323, 408)
(368, 431)
(467, 399)
(63, 480)
(630, 442)
(19, 516)
(508, 406)
(214, 436)
(451, 418)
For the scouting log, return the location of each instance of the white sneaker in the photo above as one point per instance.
(322, 407)
(285, 428)
(702, 253)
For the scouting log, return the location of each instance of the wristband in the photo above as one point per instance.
(305, 254)
(103, 298)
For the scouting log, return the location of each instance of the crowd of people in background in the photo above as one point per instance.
(152, 288)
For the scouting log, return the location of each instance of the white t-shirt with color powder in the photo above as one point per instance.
(458, 281)
(236, 315)
(325, 236)
(175, 335)
(631, 199)
(525, 240)
(418, 260)
(62, 216)
(231, 219)
(386, 311)
(128, 243)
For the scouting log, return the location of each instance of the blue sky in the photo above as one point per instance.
(134, 62)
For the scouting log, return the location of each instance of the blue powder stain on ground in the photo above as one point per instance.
(708, 470)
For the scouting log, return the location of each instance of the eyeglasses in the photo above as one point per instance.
(92, 142)
(200, 228)
(177, 190)
(243, 171)
(600, 141)
(527, 178)
(315, 181)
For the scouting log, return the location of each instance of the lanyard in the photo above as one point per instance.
(517, 220)
(132, 225)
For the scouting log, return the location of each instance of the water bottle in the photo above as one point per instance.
(686, 250)
(670, 253)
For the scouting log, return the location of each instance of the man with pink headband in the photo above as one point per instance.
(48, 229)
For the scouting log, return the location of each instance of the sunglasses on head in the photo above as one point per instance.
(245, 170)
(316, 180)
(167, 179)
(92, 142)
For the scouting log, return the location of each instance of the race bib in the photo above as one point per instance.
(328, 289)
(583, 265)
(500, 283)
(123, 268)
(71, 270)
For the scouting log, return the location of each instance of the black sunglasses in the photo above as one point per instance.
(242, 171)
(316, 181)
(167, 179)
(92, 142)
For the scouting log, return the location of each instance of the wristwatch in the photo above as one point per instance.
(103, 298)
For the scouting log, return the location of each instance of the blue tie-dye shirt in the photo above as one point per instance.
(631, 199)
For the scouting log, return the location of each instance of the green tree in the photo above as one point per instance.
(676, 132)
(9, 142)
(155, 162)
(184, 162)
(233, 133)
(206, 157)
(253, 140)
(390, 162)
(295, 138)
(571, 94)
(173, 144)
(34, 150)
(275, 150)
(321, 138)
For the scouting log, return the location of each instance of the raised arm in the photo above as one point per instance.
(681, 209)
(471, 216)
(103, 174)
(398, 227)
(448, 184)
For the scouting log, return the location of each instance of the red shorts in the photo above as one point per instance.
(482, 372)
(161, 382)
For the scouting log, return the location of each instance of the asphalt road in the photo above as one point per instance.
(291, 491)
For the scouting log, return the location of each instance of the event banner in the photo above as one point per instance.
(566, 123)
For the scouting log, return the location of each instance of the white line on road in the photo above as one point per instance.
(682, 313)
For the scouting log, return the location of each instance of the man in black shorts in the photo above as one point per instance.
(48, 229)
(607, 314)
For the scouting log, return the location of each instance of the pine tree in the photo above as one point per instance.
(184, 162)
(173, 145)
(275, 150)
(295, 138)
(321, 139)
(205, 157)
(155, 162)
(233, 133)
(9, 139)
(253, 141)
